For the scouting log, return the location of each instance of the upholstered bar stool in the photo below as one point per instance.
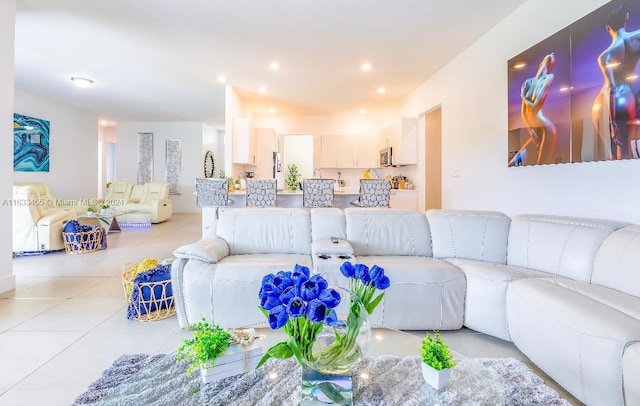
(213, 193)
(262, 193)
(317, 193)
(374, 193)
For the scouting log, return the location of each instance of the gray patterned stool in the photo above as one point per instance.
(374, 192)
(261, 193)
(213, 193)
(317, 193)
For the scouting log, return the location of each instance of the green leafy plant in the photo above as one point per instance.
(208, 342)
(104, 206)
(293, 177)
(221, 174)
(435, 352)
(90, 209)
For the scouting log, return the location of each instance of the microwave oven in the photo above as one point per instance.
(386, 157)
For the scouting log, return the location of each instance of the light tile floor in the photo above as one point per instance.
(66, 320)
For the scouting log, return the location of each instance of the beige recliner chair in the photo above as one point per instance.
(34, 228)
(149, 203)
(118, 195)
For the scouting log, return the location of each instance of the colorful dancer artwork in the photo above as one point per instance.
(30, 144)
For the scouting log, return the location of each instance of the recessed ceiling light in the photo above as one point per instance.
(222, 78)
(81, 82)
(381, 90)
(274, 66)
(272, 110)
(366, 66)
(363, 111)
(262, 89)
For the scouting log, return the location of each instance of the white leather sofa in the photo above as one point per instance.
(36, 227)
(565, 290)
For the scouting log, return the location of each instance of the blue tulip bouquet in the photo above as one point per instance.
(302, 305)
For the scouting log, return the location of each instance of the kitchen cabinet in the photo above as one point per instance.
(348, 152)
(403, 199)
(407, 150)
(244, 142)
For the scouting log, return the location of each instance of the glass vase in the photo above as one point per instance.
(326, 378)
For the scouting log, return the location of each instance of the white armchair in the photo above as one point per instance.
(34, 228)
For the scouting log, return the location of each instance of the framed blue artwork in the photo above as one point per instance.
(30, 144)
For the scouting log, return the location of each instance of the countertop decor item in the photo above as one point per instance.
(292, 180)
(437, 361)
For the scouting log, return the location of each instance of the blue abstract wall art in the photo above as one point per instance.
(30, 144)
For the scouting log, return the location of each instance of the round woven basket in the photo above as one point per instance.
(159, 304)
(83, 242)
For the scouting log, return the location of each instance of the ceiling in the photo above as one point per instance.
(159, 60)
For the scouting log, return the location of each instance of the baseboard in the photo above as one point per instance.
(7, 283)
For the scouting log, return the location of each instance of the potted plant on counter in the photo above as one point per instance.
(437, 360)
(293, 178)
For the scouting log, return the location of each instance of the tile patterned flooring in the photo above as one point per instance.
(66, 320)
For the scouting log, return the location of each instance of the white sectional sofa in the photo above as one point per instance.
(565, 290)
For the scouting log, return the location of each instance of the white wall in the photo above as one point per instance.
(192, 136)
(7, 34)
(472, 90)
(73, 154)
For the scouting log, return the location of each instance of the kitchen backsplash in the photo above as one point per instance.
(352, 176)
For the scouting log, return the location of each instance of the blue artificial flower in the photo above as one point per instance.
(348, 269)
(332, 318)
(383, 282)
(281, 283)
(316, 310)
(362, 273)
(278, 317)
(296, 307)
(330, 298)
(309, 290)
(376, 273)
(284, 274)
(320, 281)
(269, 301)
(288, 294)
(302, 269)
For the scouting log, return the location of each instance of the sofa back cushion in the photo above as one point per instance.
(469, 234)
(380, 231)
(155, 191)
(327, 222)
(272, 230)
(119, 191)
(137, 193)
(564, 246)
(617, 261)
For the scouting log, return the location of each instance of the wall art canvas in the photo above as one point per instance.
(575, 96)
(30, 144)
(173, 165)
(145, 158)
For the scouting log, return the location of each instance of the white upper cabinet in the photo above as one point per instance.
(348, 152)
(244, 142)
(407, 153)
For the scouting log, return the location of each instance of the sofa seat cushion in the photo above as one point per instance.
(577, 340)
(236, 284)
(485, 307)
(425, 293)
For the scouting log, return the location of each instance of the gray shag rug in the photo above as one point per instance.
(160, 381)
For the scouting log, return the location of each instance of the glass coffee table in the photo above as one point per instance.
(390, 374)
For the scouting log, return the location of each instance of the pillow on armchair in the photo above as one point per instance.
(147, 296)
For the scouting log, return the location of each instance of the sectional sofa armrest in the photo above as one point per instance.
(161, 210)
(342, 247)
(210, 250)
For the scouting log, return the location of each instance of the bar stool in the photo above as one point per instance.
(374, 193)
(213, 193)
(317, 193)
(262, 193)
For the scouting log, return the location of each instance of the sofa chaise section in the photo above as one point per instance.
(578, 325)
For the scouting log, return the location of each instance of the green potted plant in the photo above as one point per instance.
(293, 178)
(104, 209)
(208, 342)
(90, 211)
(437, 360)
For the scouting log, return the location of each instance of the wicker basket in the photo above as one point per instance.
(159, 305)
(83, 242)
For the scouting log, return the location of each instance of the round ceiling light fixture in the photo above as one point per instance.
(81, 82)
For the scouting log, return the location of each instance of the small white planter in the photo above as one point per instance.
(436, 379)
